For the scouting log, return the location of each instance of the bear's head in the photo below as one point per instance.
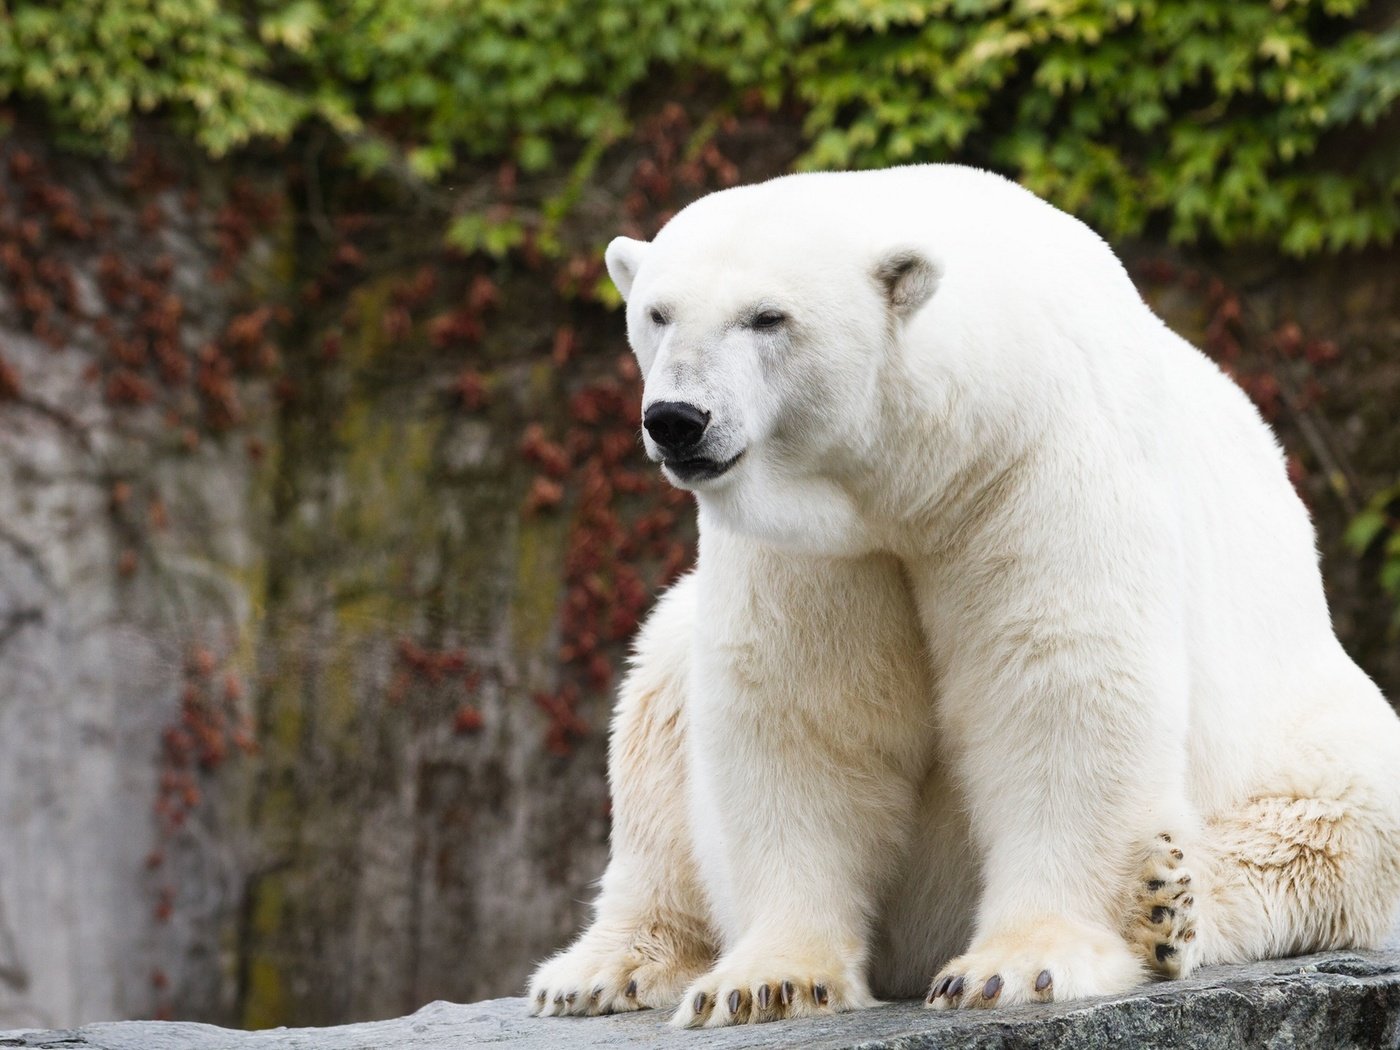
(762, 340)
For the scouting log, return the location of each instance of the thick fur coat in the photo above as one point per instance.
(1006, 672)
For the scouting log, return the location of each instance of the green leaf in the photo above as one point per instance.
(1364, 529)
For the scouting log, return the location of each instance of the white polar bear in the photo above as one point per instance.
(1007, 636)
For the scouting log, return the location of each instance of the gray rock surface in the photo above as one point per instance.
(1321, 1002)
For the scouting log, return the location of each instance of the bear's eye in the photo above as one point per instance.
(768, 319)
(657, 317)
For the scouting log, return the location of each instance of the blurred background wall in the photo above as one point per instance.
(323, 520)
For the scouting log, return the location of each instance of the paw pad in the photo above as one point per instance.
(1162, 918)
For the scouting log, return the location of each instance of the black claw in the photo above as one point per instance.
(1164, 952)
(1186, 902)
(632, 988)
(785, 993)
(819, 994)
(765, 996)
(956, 988)
(734, 999)
(940, 987)
(559, 999)
(1155, 884)
(1043, 981)
(699, 1003)
(1185, 880)
(992, 988)
(1165, 837)
(1178, 854)
(570, 998)
(1159, 913)
(540, 998)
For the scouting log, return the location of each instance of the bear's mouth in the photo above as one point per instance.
(698, 468)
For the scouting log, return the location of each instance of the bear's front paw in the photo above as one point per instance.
(600, 976)
(771, 988)
(1041, 961)
(1162, 919)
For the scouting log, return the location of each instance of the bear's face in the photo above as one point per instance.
(708, 348)
(761, 362)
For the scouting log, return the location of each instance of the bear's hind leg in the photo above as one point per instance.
(1300, 874)
(651, 934)
(1310, 864)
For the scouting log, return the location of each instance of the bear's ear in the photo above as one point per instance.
(907, 278)
(624, 259)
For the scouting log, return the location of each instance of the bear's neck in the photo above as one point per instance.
(934, 472)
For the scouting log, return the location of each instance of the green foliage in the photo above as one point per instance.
(1239, 120)
(97, 64)
(447, 78)
(1377, 528)
(512, 76)
(1215, 114)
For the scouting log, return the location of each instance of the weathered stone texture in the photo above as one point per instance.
(1338, 1001)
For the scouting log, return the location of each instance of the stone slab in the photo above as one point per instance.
(1340, 1000)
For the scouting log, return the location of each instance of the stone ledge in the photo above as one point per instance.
(1318, 1002)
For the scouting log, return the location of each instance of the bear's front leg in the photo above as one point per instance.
(809, 730)
(1064, 701)
(650, 936)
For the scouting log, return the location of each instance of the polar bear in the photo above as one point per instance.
(1006, 661)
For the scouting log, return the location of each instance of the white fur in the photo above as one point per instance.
(1007, 635)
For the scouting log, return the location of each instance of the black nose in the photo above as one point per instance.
(674, 425)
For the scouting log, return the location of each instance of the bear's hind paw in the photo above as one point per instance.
(1162, 920)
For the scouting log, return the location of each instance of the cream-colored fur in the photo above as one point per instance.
(1006, 638)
